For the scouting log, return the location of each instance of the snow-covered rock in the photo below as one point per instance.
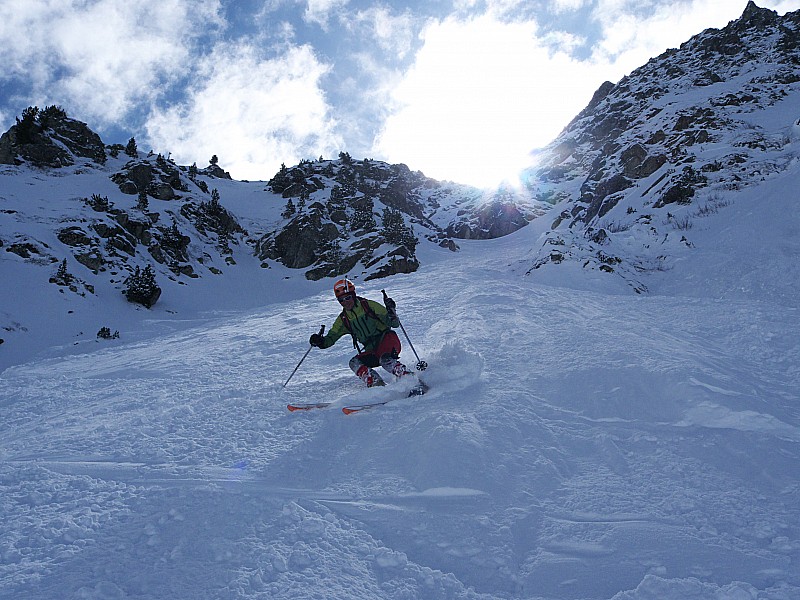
(653, 155)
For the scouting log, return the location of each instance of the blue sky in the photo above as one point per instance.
(459, 89)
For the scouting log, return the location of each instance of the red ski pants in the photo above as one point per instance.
(389, 344)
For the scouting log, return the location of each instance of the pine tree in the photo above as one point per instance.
(62, 270)
(99, 203)
(141, 287)
(50, 114)
(131, 149)
(214, 206)
(105, 334)
(27, 126)
(395, 231)
(290, 210)
(63, 277)
(143, 203)
(363, 219)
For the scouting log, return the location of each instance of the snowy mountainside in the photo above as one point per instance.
(635, 179)
(652, 156)
(366, 217)
(578, 442)
(77, 219)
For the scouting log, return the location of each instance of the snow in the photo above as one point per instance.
(578, 441)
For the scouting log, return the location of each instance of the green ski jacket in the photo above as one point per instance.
(367, 325)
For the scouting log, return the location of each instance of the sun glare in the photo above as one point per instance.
(466, 119)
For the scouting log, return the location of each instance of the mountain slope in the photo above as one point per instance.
(653, 155)
(76, 224)
(634, 179)
(579, 441)
(562, 452)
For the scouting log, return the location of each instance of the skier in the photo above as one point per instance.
(370, 324)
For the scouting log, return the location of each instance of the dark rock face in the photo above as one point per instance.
(298, 244)
(160, 179)
(603, 144)
(50, 141)
(494, 220)
(335, 220)
(216, 171)
(344, 214)
(74, 236)
(79, 139)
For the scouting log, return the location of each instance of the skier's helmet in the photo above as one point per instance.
(343, 287)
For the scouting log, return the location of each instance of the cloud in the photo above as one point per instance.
(481, 95)
(318, 11)
(630, 38)
(782, 6)
(394, 33)
(487, 89)
(100, 58)
(560, 6)
(253, 112)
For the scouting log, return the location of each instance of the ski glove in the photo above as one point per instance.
(317, 340)
(390, 304)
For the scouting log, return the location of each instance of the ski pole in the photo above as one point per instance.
(421, 364)
(321, 331)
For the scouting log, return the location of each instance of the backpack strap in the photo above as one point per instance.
(367, 308)
(346, 322)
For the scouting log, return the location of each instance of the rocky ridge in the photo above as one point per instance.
(48, 138)
(646, 159)
(363, 218)
(629, 177)
(344, 215)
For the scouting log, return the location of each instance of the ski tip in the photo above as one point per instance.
(349, 411)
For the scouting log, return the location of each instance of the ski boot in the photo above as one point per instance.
(370, 377)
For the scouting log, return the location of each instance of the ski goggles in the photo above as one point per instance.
(345, 298)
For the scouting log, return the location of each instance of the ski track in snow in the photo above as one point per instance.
(573, 445)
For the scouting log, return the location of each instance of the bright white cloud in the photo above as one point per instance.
(484, 92)
(319, 11)
(254, 113)
(630, 41)
(100, 58)
(481, 95)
